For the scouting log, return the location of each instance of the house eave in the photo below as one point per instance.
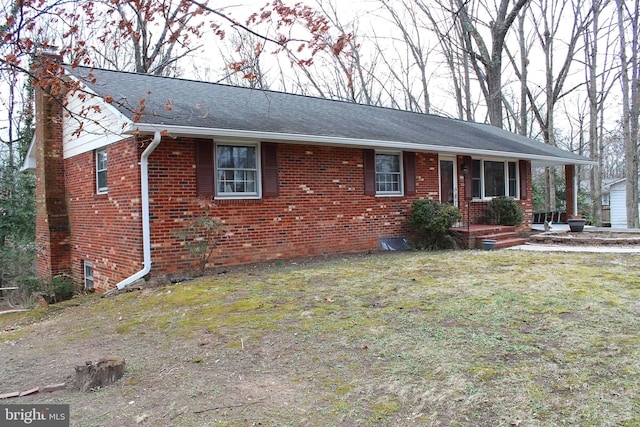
(177, 131)
(29, 163)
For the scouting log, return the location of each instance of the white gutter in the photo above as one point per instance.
(146, 229)
(341, 141)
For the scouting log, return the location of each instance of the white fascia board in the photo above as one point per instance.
(345, 142)
(100, 128)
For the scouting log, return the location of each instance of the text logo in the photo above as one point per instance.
(34, 415)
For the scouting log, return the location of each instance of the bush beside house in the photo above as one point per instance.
(430, 222)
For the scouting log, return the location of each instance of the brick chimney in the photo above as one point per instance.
(53, 248)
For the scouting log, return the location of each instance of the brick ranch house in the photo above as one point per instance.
(122, 163)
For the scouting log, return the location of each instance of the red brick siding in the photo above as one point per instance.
(321, 208)
(107, 228)
(52, 226)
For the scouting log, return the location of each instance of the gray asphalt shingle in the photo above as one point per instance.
(214, 106)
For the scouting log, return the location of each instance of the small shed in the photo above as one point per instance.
(618, 203)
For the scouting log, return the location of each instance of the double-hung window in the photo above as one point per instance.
(237, 172)
(101, 171)
(388, 174)
(494, 178)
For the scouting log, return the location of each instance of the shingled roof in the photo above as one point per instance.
(202, 108)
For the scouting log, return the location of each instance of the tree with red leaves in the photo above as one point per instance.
(155, 34)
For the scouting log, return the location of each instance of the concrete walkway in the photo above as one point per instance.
(572, 248)
(541, 247)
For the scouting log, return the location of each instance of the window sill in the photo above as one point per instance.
(222, 198)
(488, 199)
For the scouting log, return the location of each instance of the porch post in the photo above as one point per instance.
(571, 190)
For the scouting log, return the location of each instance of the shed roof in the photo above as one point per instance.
(191, 107)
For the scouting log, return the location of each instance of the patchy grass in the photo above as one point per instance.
(444, 338)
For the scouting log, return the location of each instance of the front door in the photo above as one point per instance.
(448, 184)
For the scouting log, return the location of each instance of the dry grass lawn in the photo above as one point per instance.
(465, 338)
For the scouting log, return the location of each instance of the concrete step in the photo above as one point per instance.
(508, 243)
(497, 236)
(504, 240)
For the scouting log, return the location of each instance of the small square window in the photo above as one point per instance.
(388, 174)
(237, 173)
(101, 171)
(88, 275)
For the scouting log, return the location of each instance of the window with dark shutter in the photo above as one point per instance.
(204, 168)
(409, 162)
(270, 185)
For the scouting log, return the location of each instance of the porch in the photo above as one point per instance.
(473, 234)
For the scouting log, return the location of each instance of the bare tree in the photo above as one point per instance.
(548, 17)
(413, 38)
(487, 61)
(452, 39)
(350, 77)
(629, 36)
(599, 83)
(153, 35)
(521, 68)
(613, 163)
(244, 67)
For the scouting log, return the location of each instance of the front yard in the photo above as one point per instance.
(465, 338)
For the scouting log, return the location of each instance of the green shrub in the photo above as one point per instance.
(29, 284)
(430, 222)
(504, 211)
(62, 287)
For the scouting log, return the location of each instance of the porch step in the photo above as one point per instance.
(508, 243)
(506, 236)
(504, 239)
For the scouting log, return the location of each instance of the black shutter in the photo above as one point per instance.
(409, 162)
(204, 168)
(270, 186)
(523, 168)
(369, 164)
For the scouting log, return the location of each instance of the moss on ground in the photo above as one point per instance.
(461, 338)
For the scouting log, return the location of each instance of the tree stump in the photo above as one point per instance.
(91, 376)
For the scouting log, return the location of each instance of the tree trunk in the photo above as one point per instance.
(591, 53)
(630, 106)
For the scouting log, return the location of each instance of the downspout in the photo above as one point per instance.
(146, 229)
